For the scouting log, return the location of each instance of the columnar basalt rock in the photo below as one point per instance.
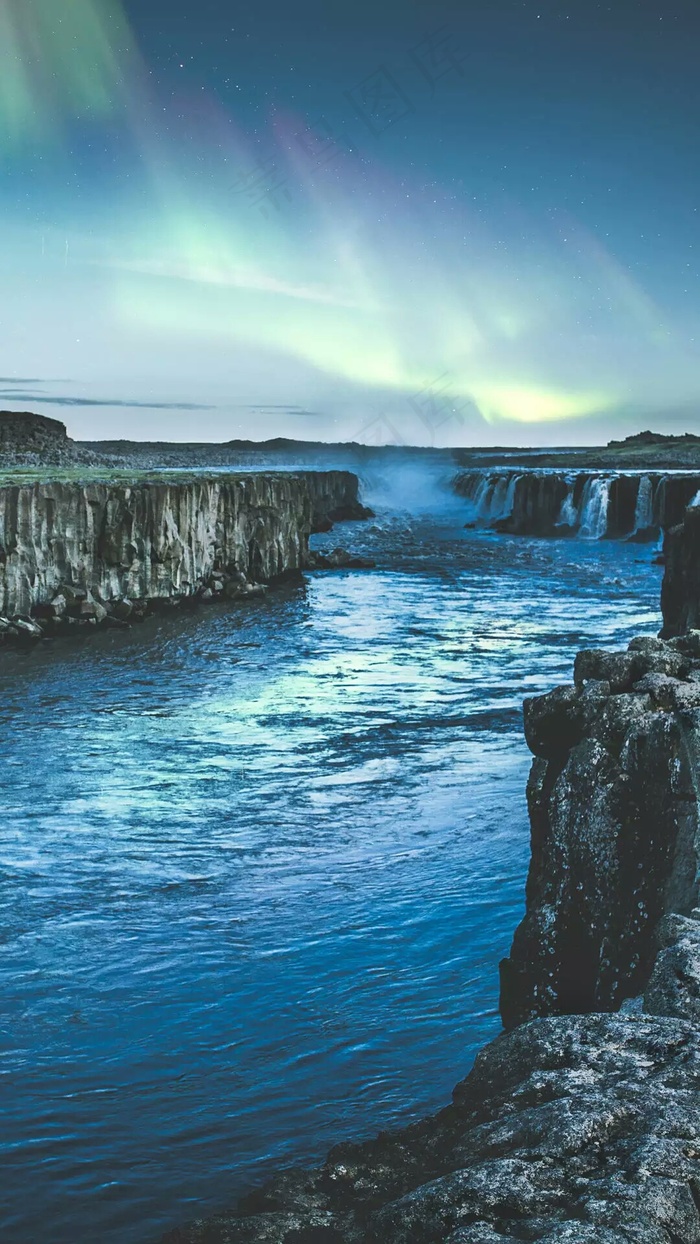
(156, 540)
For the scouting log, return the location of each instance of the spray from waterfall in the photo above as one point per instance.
(568, 515)
(644, 509)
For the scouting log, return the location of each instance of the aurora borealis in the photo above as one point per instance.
(462, 223)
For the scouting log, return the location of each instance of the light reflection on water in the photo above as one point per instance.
(258, 867)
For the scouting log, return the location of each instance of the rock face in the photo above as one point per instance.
(571, 1128)
(680, 591)
(614, 820)
(590, 504)
(155, 540)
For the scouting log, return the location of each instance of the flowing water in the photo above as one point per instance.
(258, 867)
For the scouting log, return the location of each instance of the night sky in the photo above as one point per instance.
(439, 224)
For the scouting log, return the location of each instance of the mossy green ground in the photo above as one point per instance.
(112, 475)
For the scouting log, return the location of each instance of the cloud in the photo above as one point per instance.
(297, 411)
(55, 400)
(23, 380)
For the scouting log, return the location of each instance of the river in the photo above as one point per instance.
(259, 866)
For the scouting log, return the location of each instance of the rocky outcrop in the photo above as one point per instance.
(680, 590)
(35, 440)
(22, 430)
(590, 504)
(338, 559)
(571, 1128)
(614, 821)
(158, 539)
(572, 1131)
(334, 499)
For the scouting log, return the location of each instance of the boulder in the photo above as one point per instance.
(619, 669)
(553, 722)
(121, 609)
(27, 629)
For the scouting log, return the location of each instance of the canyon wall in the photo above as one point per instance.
(589, 504)
(157, 539)
(613, 801)
(680, 591)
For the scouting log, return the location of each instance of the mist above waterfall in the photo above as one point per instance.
(417, 484)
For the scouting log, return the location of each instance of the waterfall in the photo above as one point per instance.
(482, 495)
(492, 496)
(594, 508)
(644, 510)
(568, 515)
(632, 505)
(498, 497)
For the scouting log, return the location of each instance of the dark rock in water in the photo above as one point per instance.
(27, 629)
(321, 525)
(645, 535)
(339, 559)
(122, 609)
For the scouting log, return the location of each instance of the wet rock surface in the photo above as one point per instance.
(571, 1128)
(338, 559)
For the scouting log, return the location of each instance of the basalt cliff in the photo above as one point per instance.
(95, 550)
(581, 1123)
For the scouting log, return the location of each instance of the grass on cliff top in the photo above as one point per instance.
(125, 475)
